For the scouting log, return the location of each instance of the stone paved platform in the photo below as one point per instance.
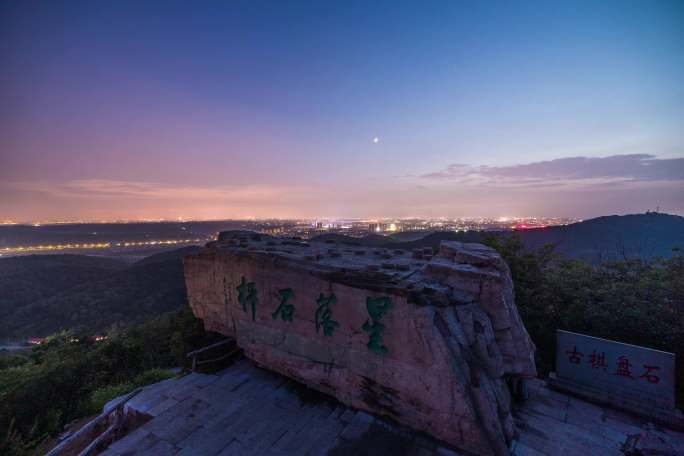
(246, 410)
(555, 424)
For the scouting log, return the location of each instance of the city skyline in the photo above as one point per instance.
(309, 220)
(101, 236)
(248, 110)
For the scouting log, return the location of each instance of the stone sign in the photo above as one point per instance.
(428, 340)
(622, 374)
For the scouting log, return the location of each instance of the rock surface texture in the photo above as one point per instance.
(427, 340)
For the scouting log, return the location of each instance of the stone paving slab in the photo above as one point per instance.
(246, 410)
(551, 423)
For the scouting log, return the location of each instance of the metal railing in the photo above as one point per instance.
(114, 415)
(193, 354)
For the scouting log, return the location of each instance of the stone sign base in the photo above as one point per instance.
(671, 418)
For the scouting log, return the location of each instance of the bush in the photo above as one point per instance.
(153, 376)
(70, 375)
(9, 359)
(631, 301)
(101, 396)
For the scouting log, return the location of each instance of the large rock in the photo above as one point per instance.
(426, 340)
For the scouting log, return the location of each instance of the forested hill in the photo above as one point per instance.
(613, 237)
(42, 294)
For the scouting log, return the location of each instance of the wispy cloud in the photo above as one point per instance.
(151, 191)
(611, 170)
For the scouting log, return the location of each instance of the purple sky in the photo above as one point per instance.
(113, 110)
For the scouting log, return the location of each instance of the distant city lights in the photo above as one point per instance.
(303, 228)
(91, 246)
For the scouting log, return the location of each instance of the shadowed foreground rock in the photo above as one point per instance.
(426, 340)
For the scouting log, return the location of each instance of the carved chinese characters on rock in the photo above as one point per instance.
(285, 310)
(324, 315)
(247, 295)
(377, 308)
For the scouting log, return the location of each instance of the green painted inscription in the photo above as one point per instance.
(247, 294)
(285, 310)
(324, 315)
(377, 308)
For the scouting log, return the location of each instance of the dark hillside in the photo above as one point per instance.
(638, 236)
(93, 302)
(171, 255)
(29, 279)
(613, 237)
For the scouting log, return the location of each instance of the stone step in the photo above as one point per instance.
(161, 407)
(203, 441)
(135, 442)
(544, 434)
(521, 449)
(161, 448)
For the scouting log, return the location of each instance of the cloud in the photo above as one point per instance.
(608, 171)
(104, 189)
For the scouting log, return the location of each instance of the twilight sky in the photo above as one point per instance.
(232, 109)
